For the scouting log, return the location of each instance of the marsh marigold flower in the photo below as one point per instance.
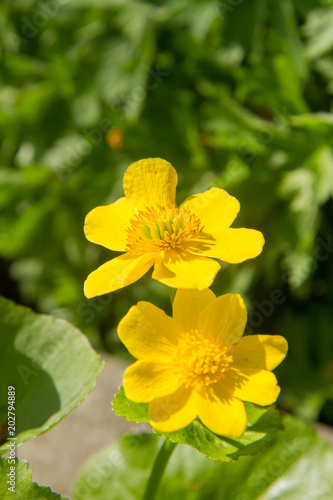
(197, 364)
(180, 242)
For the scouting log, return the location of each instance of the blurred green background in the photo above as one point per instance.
(235, 94)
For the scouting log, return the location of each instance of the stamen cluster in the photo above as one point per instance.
(161, 228)
(201, 360)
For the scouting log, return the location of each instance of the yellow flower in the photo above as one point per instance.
(179, 241)
(196, 364)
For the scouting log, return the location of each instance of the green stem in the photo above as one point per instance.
(158, 469)
(172, 293)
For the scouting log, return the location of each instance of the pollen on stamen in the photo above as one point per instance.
(201, 361)
(161, 228)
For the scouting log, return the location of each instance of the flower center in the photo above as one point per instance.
(202, 361)
(160, 228)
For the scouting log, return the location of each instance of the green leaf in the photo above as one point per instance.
(262, 423)
(24, 486)
(318, 29)
(49, 363)
(134, 412)
(297, 464)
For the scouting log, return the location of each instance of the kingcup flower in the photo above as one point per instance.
(180, 242)
(197, 364)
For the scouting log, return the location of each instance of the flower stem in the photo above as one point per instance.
(158, 469)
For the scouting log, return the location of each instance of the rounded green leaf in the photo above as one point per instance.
(50, 364)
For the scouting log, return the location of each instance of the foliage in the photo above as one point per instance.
(283, 468)
(49, 363)
(234, 96)
(25, 488)
(262, 423)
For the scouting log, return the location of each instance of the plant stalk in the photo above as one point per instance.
(158, 469)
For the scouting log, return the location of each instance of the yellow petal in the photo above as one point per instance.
(147, 331)
(215, 208)
(222, 413)
(186, 271)
(231, 245)
(224, 318)
(249, 384)
(173, 412)
(188, 305)
(260, 351)
(148, 379)
(107, 225)
(117, 273)
(150, 182)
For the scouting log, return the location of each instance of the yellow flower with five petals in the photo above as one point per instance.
(197, 364)
(180, 242)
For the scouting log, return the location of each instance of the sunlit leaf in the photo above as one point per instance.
(21, 484)
(49, 363)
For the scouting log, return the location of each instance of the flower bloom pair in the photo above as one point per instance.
(195, 364)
